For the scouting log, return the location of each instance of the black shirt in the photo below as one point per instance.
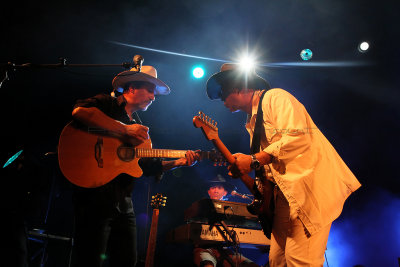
(116, 195)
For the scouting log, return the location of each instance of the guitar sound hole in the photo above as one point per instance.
(126, 152)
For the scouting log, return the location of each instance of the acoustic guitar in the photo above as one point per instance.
(91, 157)
(261, 205)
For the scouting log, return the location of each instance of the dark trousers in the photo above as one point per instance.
(14, 238)
(100, 238)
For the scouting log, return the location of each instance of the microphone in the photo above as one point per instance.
(234, 193)
(137, 62)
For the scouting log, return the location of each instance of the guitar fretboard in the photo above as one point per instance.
(167, 153)
(159, 153)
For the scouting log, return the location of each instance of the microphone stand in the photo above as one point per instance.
(6, 67)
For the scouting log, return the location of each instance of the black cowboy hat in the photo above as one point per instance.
(232, 76)
(220, 180)
(146, 74)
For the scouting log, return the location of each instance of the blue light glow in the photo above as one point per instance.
(198, 72)
(306, 54)
(359, 239)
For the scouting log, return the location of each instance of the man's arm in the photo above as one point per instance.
(191, 157)
(243, 161)
(94, 117)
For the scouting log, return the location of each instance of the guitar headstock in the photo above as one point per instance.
(158, 201)
(208, 126)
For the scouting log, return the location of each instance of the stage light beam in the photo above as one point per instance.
(327, 64)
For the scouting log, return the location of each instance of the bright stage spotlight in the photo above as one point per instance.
(198, 72)
(247, 63)
(363, 47)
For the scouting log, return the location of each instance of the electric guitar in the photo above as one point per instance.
(91, 157)
(261, 205)
(157, 201)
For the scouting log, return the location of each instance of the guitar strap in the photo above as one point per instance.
(267, 186)
(258, 130)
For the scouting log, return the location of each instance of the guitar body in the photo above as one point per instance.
(91, 157)
(91, 160)
(263, 206)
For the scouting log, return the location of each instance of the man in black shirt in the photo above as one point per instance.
(105, 224)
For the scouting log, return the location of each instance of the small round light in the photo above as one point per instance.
(306, 54)
(198, 72)
(363, 47)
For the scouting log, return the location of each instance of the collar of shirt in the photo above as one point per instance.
(121, 101)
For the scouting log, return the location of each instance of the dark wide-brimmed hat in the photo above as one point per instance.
(146, 74)
(231, 75)
(220, 180)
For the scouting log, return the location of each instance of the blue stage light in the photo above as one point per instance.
(198, 72)
(306, 54)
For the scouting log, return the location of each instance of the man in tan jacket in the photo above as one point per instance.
(311, 181)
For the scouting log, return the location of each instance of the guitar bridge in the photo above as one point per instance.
(98, 152)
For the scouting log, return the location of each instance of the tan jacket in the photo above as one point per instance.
(306, 167)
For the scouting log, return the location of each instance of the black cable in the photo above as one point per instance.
(5, 78)
(235, 238)
(326, 259)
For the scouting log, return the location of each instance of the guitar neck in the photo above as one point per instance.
(166, 153)
(151, 247)
(246, 179)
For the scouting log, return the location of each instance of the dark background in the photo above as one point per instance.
(356, 107)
